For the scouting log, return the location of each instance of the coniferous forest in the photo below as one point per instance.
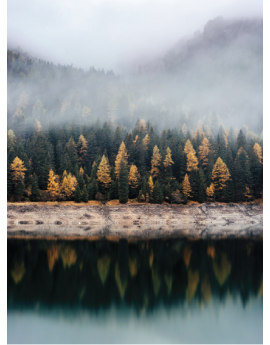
(83, 135)
(106, 162)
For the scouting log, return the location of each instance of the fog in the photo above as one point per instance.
(108, 34)
(173, 63)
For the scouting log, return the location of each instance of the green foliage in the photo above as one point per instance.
(157, 194)
(123, 183)
(84, 193)
(77, 194)
(35, 190)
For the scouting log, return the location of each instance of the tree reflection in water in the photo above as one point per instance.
(95, 274)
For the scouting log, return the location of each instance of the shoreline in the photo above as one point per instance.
(133, 221)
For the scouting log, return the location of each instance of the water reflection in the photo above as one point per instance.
(140, 275)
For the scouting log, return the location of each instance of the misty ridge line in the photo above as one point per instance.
(217, 72)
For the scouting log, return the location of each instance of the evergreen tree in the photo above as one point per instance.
(35, 190)
(19, 189)
(123, 182)
(84, 197)
(201, 186)
(242, 174)
(77, 194)
(157, 193)
(9, 183)
(91, 191)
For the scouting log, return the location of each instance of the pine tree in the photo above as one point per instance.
(157, 193)
(122, 154)
(77, 194)
(52, 186)
(19, 189)
(186, 189)
(103, 173)
(242, 174)
(9, 183)
(180, 164)
(155, 162)
(241, 141)
(201, 186)
(123, 182)
(84, 197)
(91, 191)
(35, 190)
(256, 169)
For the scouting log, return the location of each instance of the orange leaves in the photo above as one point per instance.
(155, 162)
(186, 189)
(103, 173)
(52, 186)
(17, 169)
(220, 174)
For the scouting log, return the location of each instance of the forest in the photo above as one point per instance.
(164, 133)
(95, 162)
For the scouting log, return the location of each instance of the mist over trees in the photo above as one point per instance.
(213, 75)
(189, 121)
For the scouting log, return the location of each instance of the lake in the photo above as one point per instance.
(158, 291)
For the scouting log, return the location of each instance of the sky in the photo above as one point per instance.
(110, 33)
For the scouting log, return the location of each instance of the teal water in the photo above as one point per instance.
(172, 291)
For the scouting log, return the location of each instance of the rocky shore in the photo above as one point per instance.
(134, 222)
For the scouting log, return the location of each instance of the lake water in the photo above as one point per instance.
(173, 291)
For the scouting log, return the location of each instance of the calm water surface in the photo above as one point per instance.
(172, 291)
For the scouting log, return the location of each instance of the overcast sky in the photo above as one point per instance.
(108, 33)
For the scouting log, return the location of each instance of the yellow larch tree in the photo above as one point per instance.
(155, 162)
(189, 148)
(82, 149)
(68, 185)
(122, 154)
(146, 141)
(186, 189)
(168, 159)
(151, 184)
(204, 151)
(258, 151)
(220, 174)
(210, 191)
(103, 173)
(133, 177)
(52, 186)
(17, 169)
(192, 162)
(81, 172)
